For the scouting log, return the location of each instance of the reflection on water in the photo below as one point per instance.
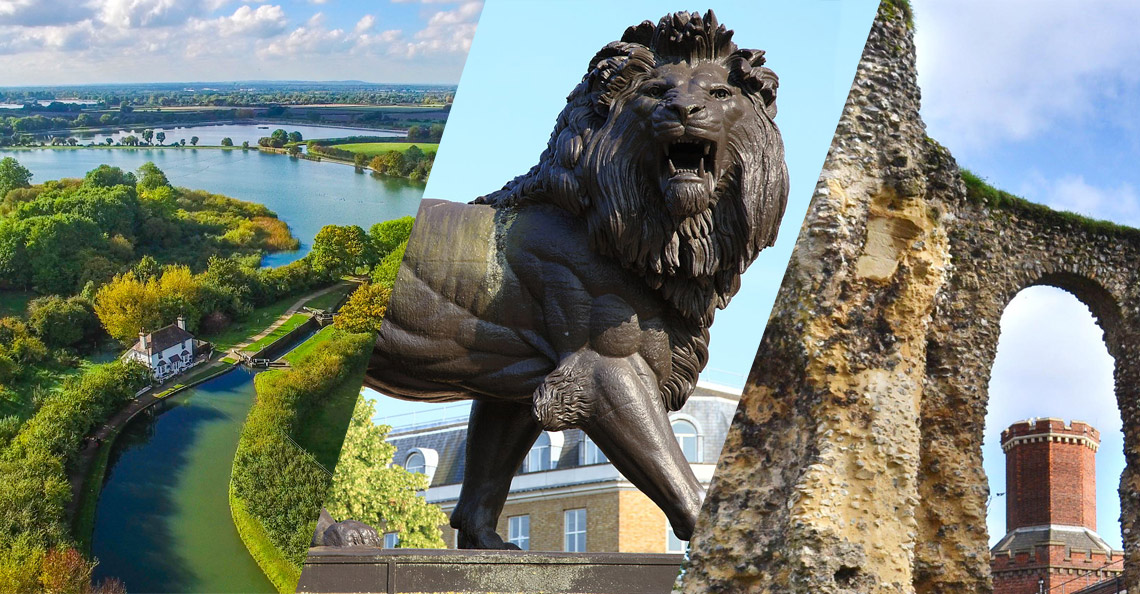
(163, 520)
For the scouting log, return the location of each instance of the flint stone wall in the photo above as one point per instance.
(854, 459)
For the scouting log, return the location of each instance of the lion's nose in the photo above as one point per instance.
(685, 109)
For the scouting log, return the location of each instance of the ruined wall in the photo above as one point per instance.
(816, 488)
(854, 460)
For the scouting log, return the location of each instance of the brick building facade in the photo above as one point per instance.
(566, 495)
(1051, 545)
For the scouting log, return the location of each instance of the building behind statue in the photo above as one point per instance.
(1052, 545)
(567, 496)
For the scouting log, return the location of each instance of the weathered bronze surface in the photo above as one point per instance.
(580, 295)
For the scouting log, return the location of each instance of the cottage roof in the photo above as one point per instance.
(163, 338)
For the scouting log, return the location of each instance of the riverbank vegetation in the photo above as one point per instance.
(276, 480)
(35, 536)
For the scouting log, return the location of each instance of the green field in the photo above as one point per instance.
(372, 149)
(333, 297)
(256, 321)
(293, 321)
(14, 303)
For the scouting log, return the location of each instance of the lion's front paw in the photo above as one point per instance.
(351, 533)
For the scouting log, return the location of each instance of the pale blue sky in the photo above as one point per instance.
(46, 42)
(1041, 98)
(505, 109)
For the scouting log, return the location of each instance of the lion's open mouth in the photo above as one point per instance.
(691, 158)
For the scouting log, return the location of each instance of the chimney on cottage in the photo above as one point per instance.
(181, 322)
(142, 339)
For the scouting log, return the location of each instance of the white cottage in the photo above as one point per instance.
(167, 351)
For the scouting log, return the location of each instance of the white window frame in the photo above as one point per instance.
(420, 468)
(574, 530)
(674, 544)
(697, 437)
(589, 452)
(391, 540)
(518, 531)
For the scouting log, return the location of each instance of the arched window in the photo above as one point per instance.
(689, 439)
(589, 453)
(415, 462)
(539, 456)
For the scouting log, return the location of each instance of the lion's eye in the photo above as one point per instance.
(655, 91)
(720, 93)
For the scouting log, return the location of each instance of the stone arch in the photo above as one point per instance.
(996, 257)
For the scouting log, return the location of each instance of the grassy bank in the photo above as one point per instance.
(289, 325)
(278, 481)
(283, 574)
(371, 149)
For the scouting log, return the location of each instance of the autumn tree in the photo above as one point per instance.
(364, 309)
(341, 249)
(367, 487)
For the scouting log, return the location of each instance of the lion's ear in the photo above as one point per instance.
(747, 70)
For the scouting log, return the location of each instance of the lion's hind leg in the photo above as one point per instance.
(499, 435)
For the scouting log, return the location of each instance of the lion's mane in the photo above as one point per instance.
(588, 169)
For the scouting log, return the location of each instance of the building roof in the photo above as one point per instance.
(162, 339)
(1112, 586)
(710, 408)
(1073, 538)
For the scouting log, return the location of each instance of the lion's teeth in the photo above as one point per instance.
(707, 148)
(672, 168)
(701, 168)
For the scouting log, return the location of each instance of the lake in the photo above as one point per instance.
(213, 134)
(305, 194)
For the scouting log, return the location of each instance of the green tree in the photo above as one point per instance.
(360, 160)
(294, 150)
(385, 272)
(245, 145)
(62, 322)
(278, 138)
(13, 175)
(148, 134)
(151, 177)
(227, 141)
(388, 235)
(367, 487)
(295, 136)
(160, 137)
(107, 176)
(106, 119)
(415, 133)
(193, 141)
(340, 249)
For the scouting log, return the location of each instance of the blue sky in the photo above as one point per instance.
(504, 113)
(1040, 98)
(46, 42)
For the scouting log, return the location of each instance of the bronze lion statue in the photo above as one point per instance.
(581, 294)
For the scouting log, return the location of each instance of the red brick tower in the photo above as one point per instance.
(1051, 544)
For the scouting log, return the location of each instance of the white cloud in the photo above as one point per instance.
(266, 21)
(365, 23)
(447, 31)
(1120, 204)
(133, 14)
(35, 13)
(999, 71)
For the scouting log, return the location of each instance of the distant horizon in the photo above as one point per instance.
(229, 82)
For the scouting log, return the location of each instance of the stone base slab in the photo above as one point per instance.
(368, 569)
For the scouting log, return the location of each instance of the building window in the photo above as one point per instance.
(518, 531)
(539, 456)
(688, 438)
(574, 532)
(391, 540)
(589, 453)
(674, 544)
(415, 462)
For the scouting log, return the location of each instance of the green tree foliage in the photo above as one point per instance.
(364, 309)
(35, 490)
(341, 250)
(386, 271)
(369, 488)
(60, 322)
(360, 160)
(280, 484)
(151, 177)
(13, 175)
(128, 304)
(160, 137)
(147, 135)
(227, 141)
(106, 176)
(388, 235)
(193, 141)
(295, 136)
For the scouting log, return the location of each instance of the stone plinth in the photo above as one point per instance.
(367, 569)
